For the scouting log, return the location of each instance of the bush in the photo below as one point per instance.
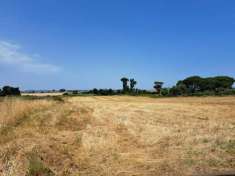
(102, 92)
(95, 91)
(165, 92)
(62, 90)
(174, 91)
(75, 92)
(37, 167)
(204, 93)
(8, 91)
(226, 92)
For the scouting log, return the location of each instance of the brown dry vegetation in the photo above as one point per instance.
(43, 94)
(117, 135)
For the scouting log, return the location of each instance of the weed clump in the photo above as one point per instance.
(37, 168)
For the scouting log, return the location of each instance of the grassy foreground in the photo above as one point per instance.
(117, 135)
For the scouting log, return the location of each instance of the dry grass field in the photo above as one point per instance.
(43, 94)
(117, 136)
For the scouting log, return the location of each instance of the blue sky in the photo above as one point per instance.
(82, 44)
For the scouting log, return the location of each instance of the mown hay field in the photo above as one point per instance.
(43, 94)
(117, 136)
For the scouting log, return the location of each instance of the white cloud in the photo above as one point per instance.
(12, 54)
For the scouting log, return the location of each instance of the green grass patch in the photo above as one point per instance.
(36, 167)
(228, 147)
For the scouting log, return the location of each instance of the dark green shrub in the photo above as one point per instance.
(66, 93)
(75, 92)
(62, 90)
(110, 92)
(37, 168)
(174, 91)
(165, 92)
(8, 91)
(95, 91)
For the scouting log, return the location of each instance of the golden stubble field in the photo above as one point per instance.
(117, 136)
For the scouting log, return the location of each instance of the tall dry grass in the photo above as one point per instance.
(13, 110)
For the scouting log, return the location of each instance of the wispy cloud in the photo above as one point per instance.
(12, 54)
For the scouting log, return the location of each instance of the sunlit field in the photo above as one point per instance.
(117, 136)
(43, 94)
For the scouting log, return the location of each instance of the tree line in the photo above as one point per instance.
(190, 86)
(193, 85)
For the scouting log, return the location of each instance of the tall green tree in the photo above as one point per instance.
(193, 83)
(158, 86)
(125, 86)
(132, 84)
